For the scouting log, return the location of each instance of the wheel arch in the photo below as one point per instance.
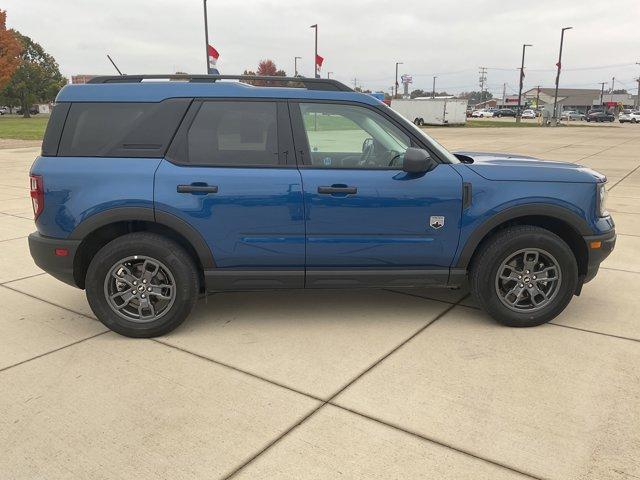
(99, 229)
(558, 220)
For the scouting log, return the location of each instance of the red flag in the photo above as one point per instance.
(319, 60)
(213, 56)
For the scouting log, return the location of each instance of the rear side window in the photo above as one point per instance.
(121, 129)
(229, 133)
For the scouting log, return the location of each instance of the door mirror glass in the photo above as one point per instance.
(417, 160)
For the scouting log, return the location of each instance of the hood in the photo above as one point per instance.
(509, 167)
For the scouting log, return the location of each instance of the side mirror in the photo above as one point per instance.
(416, 160)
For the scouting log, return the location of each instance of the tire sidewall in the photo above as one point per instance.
(167, 252)
(486, 292)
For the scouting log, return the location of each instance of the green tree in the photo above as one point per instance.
(37, 78)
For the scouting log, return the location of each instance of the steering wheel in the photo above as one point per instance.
(395, 158)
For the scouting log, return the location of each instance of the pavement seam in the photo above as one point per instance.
(276, 440)
(237, 369)
(15, 238)
(619, 270)
(47, 301)
(437, 442)
(22, 278)
(621, 337)
(3, 369)
(623, 178)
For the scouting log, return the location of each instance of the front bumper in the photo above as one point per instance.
(598, 247)
(43, 251)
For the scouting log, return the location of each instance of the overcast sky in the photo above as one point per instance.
(359, 39)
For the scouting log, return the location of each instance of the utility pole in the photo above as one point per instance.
(602, 84)
(519, 111)
(638, 92)
(295, 65)
(504, 93)
(315, 56)
(355, 83)
(329, 74)
(206, 38)
(396, 84)
(538, 97)
(559, 65)
(433, 92)
(482, 80)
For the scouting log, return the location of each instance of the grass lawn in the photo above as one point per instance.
(16, 127)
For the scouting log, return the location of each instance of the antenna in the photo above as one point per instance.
(114, 65)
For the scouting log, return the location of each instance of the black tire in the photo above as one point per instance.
(500, 247)
(172, 256)
(633, 120)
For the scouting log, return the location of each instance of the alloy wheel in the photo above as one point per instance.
(140, 288)
(528, 280)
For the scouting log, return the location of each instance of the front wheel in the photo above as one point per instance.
(524, 276)
(142, 285)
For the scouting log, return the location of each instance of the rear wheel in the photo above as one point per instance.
(142, 285)
(524, 276)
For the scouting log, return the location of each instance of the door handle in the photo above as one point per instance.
(197, 188)
(338, 189)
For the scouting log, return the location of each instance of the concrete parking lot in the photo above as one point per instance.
(329, 384)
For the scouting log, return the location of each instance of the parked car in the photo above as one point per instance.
(482, 113)
(147, 194)
(595, 110)
(4, 110)
(572, 115)
(504, 112)
(629, 116)
(33, 110)
(529, 114)
(600, 116)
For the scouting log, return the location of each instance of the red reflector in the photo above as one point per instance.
(61, 252)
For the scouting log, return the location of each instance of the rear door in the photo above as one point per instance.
(230, 173)
(368, 221)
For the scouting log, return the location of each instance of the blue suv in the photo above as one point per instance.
(151, 190)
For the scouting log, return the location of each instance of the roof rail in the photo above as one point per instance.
(309, 83)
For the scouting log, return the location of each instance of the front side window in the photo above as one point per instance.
(348, 136)
(229, 133)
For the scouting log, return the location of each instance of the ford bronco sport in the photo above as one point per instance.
(153, 189)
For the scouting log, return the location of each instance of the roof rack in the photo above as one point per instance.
(309, 83)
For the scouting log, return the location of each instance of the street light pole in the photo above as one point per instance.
(433, 92)
(295, 65)
(602, 84)
(315, 56)
(396, 84)
(519, 112)
(559, 65)
(206, 38)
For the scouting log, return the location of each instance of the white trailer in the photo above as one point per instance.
(432, 111)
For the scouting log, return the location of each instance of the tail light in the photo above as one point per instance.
(37, 195)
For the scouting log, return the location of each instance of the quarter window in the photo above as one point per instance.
(228, 133)
(349, 136)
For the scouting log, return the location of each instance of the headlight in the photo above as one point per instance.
(602, 200)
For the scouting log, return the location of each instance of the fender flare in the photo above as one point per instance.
(538, 209)
(147, 214)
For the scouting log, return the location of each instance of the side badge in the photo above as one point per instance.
(436, 222)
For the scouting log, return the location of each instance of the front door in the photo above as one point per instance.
(368, 221)
(227, 175)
